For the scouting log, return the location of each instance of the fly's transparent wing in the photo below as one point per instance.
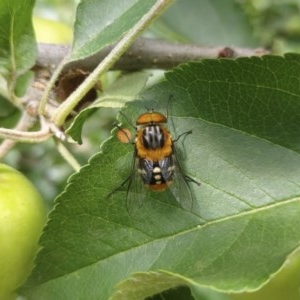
(136, 190)
(135, 187)
(180, 187)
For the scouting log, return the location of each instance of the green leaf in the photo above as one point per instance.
(282, 285)
(124, 89)
(200, 293)
(178, 293)
(149, 283)
(101, 23)
(215, 22)
(17, 42)
(9, 114)
(259, 96)
(244, 223)
(23, 82)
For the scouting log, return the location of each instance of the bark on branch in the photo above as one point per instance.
(143, 54)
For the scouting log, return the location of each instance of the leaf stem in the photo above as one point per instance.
(44, 100)
(65, 108)
(66, 154)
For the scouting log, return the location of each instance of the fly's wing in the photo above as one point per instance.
(136, 190)
(145, 167)
(167, 168)
(180, 187)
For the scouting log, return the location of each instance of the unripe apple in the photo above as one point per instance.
(22, 217)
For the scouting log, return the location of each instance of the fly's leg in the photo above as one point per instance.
(183, 134)
(186, 177)
(118, 187)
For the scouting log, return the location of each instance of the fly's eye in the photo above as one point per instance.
(151, 118)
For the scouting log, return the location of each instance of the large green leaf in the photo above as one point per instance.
(209, 23)
(17, 43)
(100, 23)
(244, 222)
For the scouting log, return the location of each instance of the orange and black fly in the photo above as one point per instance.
(155, 162)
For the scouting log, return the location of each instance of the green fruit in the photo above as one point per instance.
(22, 217)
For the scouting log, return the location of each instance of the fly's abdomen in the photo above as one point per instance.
(157, 175)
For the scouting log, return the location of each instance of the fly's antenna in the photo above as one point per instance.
(149, 109)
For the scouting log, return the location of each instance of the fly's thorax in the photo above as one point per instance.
(153, 141)
(153, 136)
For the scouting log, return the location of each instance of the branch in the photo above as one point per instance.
(143, 54)
(25, 136)
(19, 133)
